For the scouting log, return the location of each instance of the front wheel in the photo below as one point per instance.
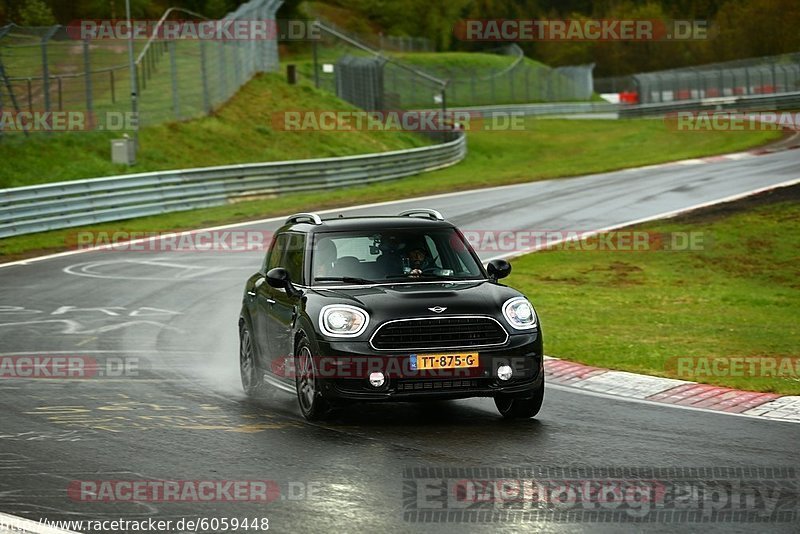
(520, 407)
(312, 403)
(252, 377)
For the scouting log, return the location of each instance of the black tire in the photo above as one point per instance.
(252, 376)
(312, 402)
(520, 407)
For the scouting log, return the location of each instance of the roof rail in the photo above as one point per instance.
(313, 218)
(431, 214)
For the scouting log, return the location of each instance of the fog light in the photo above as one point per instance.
(504, 372)
(377, 379)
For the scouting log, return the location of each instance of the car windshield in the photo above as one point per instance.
(392, 255)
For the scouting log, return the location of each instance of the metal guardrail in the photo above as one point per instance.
(25, 210)
(539, 109)
(771, 102)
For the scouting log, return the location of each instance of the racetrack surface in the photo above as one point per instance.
(185, 418)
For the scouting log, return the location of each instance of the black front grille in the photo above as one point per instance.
(435, 385)
(437, 333)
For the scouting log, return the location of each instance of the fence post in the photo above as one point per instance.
(223, 89)
(316, 63)
(747, 80)
(204, 76)
(2, 75)
(173, 68)
(46, 68)
(472, 88)
(87, 70)
(237, 64)
(527, 83)
(774, 83)
(113, 90)
(262, 50)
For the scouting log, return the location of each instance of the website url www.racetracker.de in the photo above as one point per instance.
(200, 524)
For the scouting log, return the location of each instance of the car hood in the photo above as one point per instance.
(405, 300)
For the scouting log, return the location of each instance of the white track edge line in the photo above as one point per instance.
(664, 215)
(571, 389)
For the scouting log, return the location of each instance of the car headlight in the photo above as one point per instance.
(341, 320)
(519, 313)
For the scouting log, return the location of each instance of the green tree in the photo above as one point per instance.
(36, 13)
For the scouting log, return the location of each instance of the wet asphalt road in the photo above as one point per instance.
(184, 417)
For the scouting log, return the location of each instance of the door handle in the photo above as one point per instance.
(252, 292)
(270, 301)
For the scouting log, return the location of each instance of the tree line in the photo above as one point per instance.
(737, 28)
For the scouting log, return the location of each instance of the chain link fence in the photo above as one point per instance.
(361, 74)
(404, 43)
(405, 85)
(48, 69)
(746, 77)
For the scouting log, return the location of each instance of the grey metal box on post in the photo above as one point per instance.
(123, 151)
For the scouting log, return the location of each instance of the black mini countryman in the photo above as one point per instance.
(395, 308)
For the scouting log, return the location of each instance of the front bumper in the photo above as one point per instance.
(343, 369)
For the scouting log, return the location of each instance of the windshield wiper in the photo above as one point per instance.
(345, 279)
(422, 275)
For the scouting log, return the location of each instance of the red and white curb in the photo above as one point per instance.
(671, 391)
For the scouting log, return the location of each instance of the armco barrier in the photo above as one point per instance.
(25, 210)
(772, 102)
(557, 108)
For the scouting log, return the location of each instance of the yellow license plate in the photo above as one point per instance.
(421, 362)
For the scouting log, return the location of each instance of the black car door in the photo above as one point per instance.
(265, 300)
(282, 312)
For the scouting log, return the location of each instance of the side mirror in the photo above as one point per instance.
(278, 278)
(498, 269)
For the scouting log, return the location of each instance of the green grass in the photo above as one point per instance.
(241, 131)
(739, 296)
(545, 149)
